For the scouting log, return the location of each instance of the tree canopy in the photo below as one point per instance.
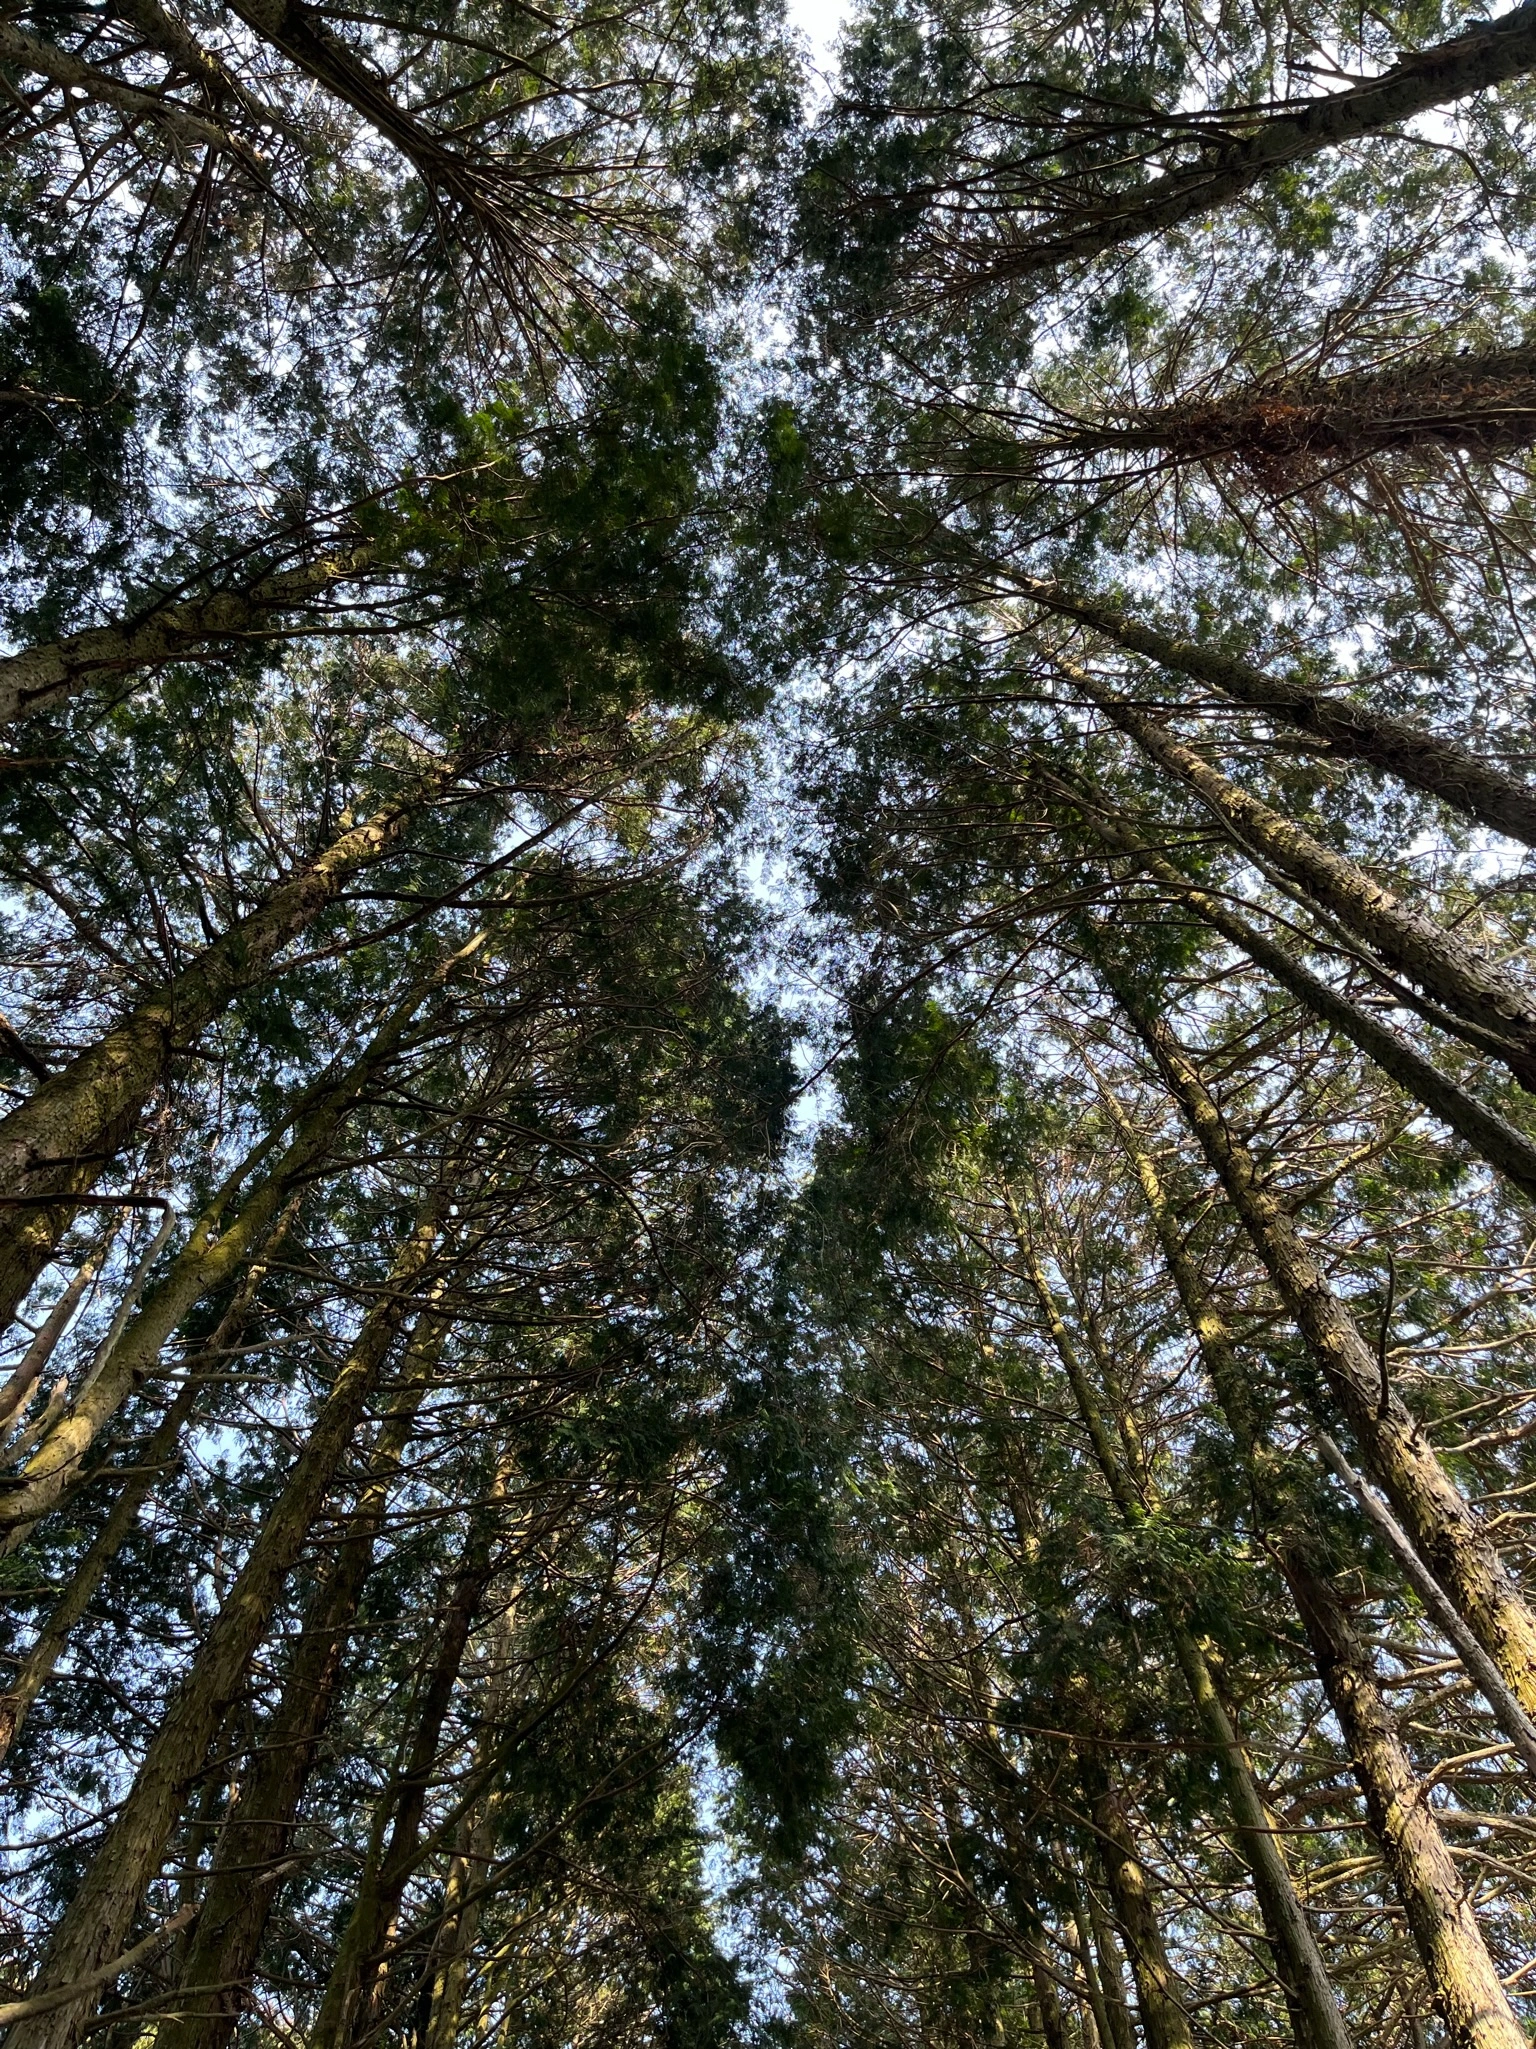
(767, 1150)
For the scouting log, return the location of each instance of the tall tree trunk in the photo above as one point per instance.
(248, 1863)
(1446, 1530)
(1456, 975)
(1462, 1975)
(1444, 769)
(1485, 56)
(357, 1977)
(54, 1146)
(1130, 1887)
(148, 1466)
(1491, 1136)
(40, 677)
(1484, 403)
(212, 1256)
(1298, 1961)
(1122, 2034)
(99, 1917)
(464, 1893)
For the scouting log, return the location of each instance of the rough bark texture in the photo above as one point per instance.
(1162, 2012)
(1444, 1527)
(1463, 1978)
(1458, 976)
(1454, 775)
(58, 1142)
(100, 1916)
(1491, 1136)
(1485, 56)
(1483, 404)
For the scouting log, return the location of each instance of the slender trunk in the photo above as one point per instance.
(1455, 974)
(1130, 1887)
(1484, 1130)
(1122, 2034)
(1485, 56)
(42, 1348)
(357, 1978)
(257, 1835)
(1483, 403)
(1048, 2005)
(40, 677)
(213, 1254)
(55, 1145)
(1462, 1975)
(1444, 1527)
(1298, 1961)
(1465, 781)
(183, 124)
(464, 1892)
(1090, 2002)
(99, 1917)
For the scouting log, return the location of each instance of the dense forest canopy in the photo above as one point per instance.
(768, 1034)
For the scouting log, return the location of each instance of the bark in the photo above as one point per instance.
(1464, 781)
(14, 1394)
(102, 1911)
(1111, 1973)
(490, 195)
(356, 1984)
(1471, 63)
(259, 1831)
(1489, 1135)
(1457, 975)
(54, 1146)
(38, 678)
(1462, 1975)
(1130, 1887)
(1298, 1961)
(1048, 2005)
(148, 1464)
(464, 1893)
(183, 124)
(1445, 1529)
(213, 1255)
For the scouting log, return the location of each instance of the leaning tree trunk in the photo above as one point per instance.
(1298, 1961)
(259, 1830)
(1444, 769)
(358, 1975)
(1463, 1977)
(1467, 982)
(1130, 1887)
(212, 1256)
(99, 1918)
(1489, 1135)
(1444, 1527)
(55, 1146)
(1487, 55)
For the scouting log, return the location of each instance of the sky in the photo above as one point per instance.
(819, 21)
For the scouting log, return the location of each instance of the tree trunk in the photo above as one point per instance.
(211, 1257)
(1484, 404)
(1484, 1130)
(1455, 974)
(260, 1828)
(1444, 769)
(355, 1987)
(61, 1139)
(1444, 1527)
(1298, 1961)
(1485, 56)
(1462, 1975)
(41, 677)
(98, 1919)
(1162, 2012)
